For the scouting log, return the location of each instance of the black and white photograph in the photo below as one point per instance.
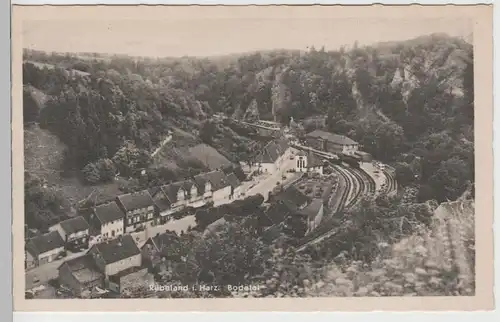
(245, 157)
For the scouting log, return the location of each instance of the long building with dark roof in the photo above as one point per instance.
(330, 142)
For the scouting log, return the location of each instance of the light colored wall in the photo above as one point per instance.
(315, 222)
(267, 167)
(119, 266)
(107, 228)
(30, 260)
(49, 256)
(78, 235)
(222, 195)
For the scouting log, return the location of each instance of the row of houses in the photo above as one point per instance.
(131, 212)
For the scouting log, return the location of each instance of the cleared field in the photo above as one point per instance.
(43, 157)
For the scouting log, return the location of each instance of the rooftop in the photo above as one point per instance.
(130, 270)
(312, 209)
(217, 179)
(115, 250)
(233, 180)
(331, 137)
(74, 225)
(44, 243)
(167, 244)
(83, 268)
(272, 151)
(292, 195)
(136, 200)
(172, 189)
(108, 212)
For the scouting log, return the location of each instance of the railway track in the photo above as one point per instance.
(358, 183)
(347, 191)
(391, 182)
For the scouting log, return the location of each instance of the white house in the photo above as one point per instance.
(115, 256)
(272, 156)
(220, 186)
(74, 231)
(308, 162)
(106, 222)
(43, 249)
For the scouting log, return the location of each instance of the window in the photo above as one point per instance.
(130, 221)
(112, 233)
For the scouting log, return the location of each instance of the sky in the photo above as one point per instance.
(211, 36)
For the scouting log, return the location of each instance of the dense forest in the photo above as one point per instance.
(410, 104)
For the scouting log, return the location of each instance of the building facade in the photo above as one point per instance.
(139, 209)
(272, 156)
(75, 232)
(220, 187)
(308, 162)
(117, 255)
(44, 249)
(330, 142)
(106, 223)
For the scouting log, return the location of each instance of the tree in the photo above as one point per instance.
(207, 132)
(31, 108)
(91, 173)
(451, 179)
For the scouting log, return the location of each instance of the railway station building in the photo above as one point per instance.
(330, 142)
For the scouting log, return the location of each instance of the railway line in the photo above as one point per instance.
(358, 183)
(391, 184)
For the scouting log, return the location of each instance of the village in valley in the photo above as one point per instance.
(307, 179)
(314, 172)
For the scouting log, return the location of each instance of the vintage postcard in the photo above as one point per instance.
(271, 158)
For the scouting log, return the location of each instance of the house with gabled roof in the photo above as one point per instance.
(43, 249)
(139, 209)
(116, 255)
(271, 157)
(220, 187)
(74, 231)
(106, 222)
